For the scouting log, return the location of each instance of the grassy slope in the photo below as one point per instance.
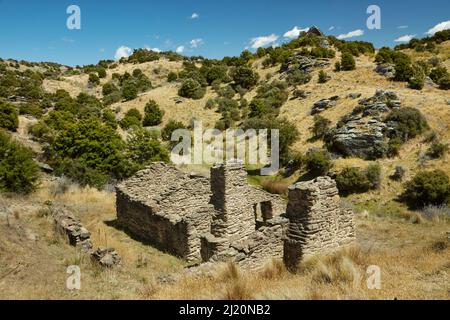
(33, 260)
(410, 267)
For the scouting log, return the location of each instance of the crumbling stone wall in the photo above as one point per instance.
(317, 221)
(166, 208)
(246, 225)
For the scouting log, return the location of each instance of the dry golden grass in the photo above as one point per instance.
(414, 259)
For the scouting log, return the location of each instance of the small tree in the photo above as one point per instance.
(245, 77)
(153, 114)
(173, 76)
(94, 80)
(18, 172)
(321, 127)
(9, 117)
(427, 188)
(143, 148)
(347, 62)
(318, 162)
(192, 89)
(129, 91)
(171, 126)
(323, 77)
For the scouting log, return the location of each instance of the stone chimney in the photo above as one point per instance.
(317, 222)
(234, 213)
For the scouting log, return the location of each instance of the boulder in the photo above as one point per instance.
(106, 257)
(363, 133)
(386, 69)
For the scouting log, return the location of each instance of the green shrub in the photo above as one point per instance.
(417, 81)
(355, 180)
(407, 123)
(18, 172)
(192, 89)
(337, 66)
(153, 114)
(170, 127)
(298, 77)
(173, 76)
(129, 91)
(288, 132)
(399, 173)
(403, 67)
(132, 118)
(101, 73)
(32, 109)
(347, 62)
(94, 79)
(109, 88)
(109, 118)
(258, 108)
(245, 77)
(323, 77)
(318, 162)
(444, 83)
(95, 146)
(394, 147)
(9, 117)
(438, 73)
(373, 174)
(437, 150)
(427, 188)
(321, 127)
(352, 180)
(143, 148)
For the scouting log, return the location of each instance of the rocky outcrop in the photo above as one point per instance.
(317, 221)
(303, 63)
(106, 257)
(363, 132)
(323, 105)
(386, 69)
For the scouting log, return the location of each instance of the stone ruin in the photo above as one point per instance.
(223, 218)
(317, 221)
(69, 227)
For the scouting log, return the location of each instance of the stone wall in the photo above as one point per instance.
(317, 221)
(166, 208)
(246, 226)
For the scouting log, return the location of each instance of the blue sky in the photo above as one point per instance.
(36, 30)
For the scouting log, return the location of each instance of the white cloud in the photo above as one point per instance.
(294, 33)
(439, 27)
(195, 16)
(123, 52)
(331, 28)
(180, 50)
(196, 42)
(351, 34)
(157, 50)
(263, 41)
(402, 27)
(405, 38)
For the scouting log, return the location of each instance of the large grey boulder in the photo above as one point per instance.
(363, 133)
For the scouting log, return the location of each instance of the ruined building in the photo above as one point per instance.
(223, 218)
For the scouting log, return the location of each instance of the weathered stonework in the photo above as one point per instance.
(246, 226)
(317, 221)
(223, 218)
(167, 208)
(68, 226)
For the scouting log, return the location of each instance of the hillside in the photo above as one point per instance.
(84, 135)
